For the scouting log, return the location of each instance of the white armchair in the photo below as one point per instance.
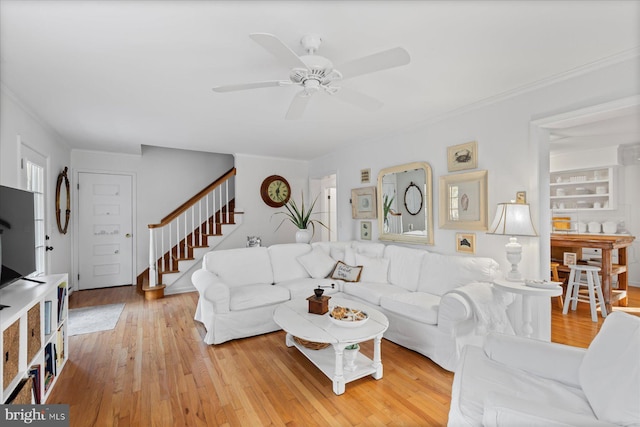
(515, 381)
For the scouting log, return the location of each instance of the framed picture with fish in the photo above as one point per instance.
(462, 156)
(463, 201)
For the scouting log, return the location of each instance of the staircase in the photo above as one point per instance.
(180, 240)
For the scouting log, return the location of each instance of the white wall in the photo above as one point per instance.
(505, 150)
(259, 219)
(18, 124)
(164, 179)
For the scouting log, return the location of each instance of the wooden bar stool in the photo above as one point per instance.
(556, 278)
(593, 286)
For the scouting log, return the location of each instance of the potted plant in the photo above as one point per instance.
(300, 216)
(386, 207)
(350, 354)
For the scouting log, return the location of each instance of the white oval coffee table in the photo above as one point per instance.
(294, 318)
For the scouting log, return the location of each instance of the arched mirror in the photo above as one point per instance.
(63, 199)
(405, 212)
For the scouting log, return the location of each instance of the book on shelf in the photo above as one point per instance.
(49, 365)
(62, 293)
(60, 347)
(34, 373)
(47, 317)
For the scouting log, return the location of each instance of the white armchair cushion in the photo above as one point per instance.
(374, 270)
(477, 376)
(239, 267)
(284, 261)
(317, 263)
(508, 411)
(610, 371)
(404, 266)
(533, 356)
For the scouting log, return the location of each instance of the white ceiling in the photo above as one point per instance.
(114, 75)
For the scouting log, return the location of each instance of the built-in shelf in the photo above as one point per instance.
(34, 341)
(584, 189)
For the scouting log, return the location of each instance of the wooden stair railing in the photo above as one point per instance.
(186, 228)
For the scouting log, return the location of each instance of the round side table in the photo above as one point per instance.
(527, 292)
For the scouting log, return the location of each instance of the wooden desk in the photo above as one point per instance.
(571, 242)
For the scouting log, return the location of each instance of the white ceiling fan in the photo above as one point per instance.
(314, 72)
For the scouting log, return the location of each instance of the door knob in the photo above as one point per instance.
(128, 235)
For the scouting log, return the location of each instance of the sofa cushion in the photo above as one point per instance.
(240, 267)
(317, 263)
(419, 306)
(442, 273)
(373, 250)
(284, 261)
(303, 288)
(612, 363)
(347, 273)
(404, 266)
(371, 292)
(251, 296)
(374, 270)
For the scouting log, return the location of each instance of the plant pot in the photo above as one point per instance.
(349, 357)
(303, 236)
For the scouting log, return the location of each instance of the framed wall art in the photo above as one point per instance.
(363, 203)
(521, 197)
(466, 243)
(365, 230)
(569, 258)
(462, 157)
(463, 201)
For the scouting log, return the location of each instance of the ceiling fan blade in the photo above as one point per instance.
(358, 99)
(281, 51)
(245, 86)
(297, 106)
(378, 61)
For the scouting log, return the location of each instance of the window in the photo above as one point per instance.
(33, 179)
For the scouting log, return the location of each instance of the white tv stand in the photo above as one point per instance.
(34, 333)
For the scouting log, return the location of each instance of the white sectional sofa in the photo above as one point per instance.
(435, 303)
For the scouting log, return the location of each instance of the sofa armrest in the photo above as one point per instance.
(504, 410)
(212, 289)
(453, 310)
(545, 359)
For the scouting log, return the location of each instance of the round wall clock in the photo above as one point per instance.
(275, 191)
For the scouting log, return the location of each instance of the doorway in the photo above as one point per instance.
(325, 187)
(105, 230)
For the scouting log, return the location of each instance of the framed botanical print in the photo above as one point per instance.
(365, 230)
(363, 203)
(462, 156)
(463, 201)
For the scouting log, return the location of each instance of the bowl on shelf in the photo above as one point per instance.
(582, 190)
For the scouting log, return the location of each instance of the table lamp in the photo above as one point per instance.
(513, 219)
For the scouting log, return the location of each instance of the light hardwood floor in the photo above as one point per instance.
(154, 370)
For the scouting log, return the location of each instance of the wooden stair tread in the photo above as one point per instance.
(168, 271)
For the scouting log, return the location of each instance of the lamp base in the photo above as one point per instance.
(514, 255)
(514, 276)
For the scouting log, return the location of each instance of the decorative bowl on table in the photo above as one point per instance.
(542, 284)
(347, 317)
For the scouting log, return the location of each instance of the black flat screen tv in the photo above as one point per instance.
(17, 234)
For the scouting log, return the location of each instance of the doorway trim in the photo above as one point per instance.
(539, 148)
(76, 224)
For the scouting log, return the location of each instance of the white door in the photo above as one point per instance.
(105, 227)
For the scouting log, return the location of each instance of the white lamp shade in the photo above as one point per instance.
(513, 219)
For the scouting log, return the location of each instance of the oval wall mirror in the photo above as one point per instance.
(405, 212)
(413, 199)
(63, 198)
